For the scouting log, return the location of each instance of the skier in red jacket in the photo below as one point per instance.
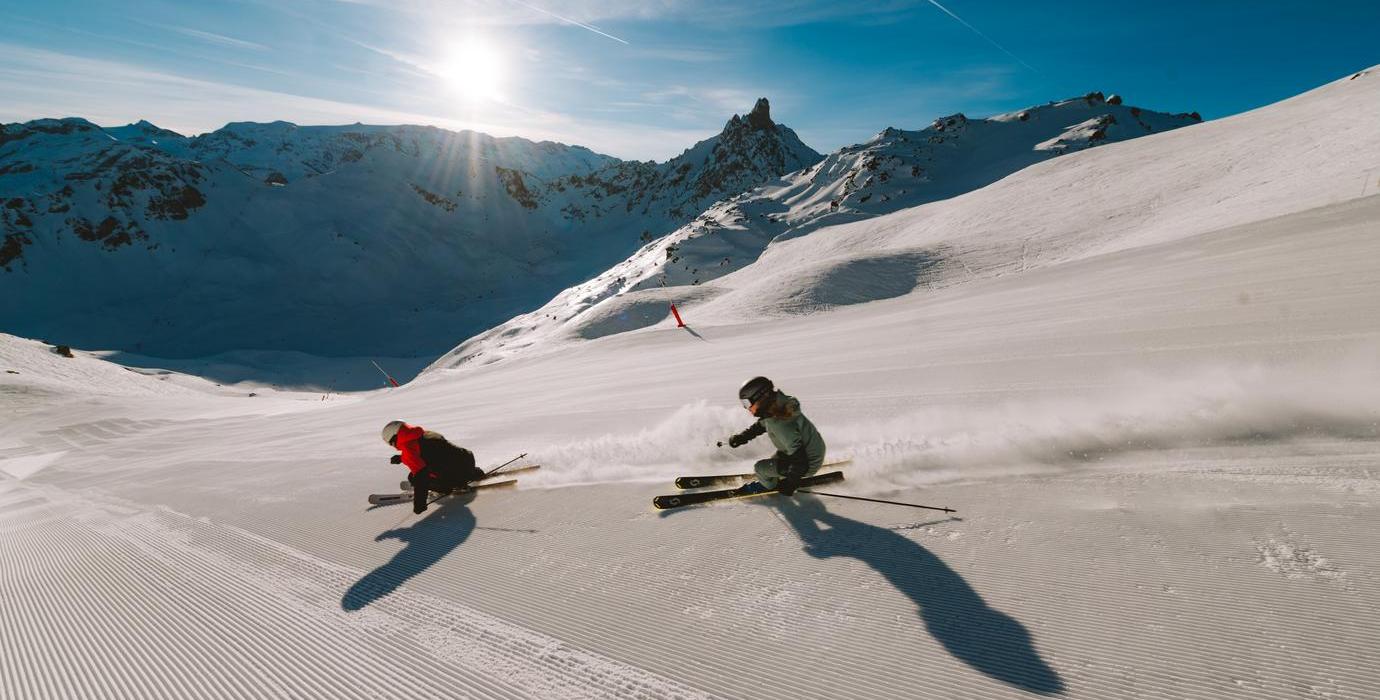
(433, 462)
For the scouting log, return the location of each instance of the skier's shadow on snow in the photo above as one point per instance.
(428, 541)
(986, 639)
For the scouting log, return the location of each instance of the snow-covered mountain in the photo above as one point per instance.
(896, 169)
(1154, 403)
(339, 240)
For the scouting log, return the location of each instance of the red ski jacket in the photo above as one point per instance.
(409, 442)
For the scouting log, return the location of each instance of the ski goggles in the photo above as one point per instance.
(754, 406)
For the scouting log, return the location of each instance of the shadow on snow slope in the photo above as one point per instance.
(428, 541)
(988, 640)
(283, 370)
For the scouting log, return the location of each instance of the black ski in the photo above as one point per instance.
(388, 499)
(406, 485)
(697, 482)
(680, 500)
(513, 470)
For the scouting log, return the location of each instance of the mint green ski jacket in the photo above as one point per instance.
(789, 430)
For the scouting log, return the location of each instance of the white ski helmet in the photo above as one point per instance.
(390, 431)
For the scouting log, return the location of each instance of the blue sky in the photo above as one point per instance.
(646, 79)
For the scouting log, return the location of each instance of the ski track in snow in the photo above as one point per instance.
(27, 466)
(160, 604)
(1212, 407)
(1288, 556)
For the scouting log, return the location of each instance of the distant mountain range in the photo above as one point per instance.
(404, 240)
(333, 240)
(897, 169)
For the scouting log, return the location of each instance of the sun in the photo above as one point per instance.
(473, 69)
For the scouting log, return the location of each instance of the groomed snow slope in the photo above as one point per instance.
(1315, 149)
(1165, 460)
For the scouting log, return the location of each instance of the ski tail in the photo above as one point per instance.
(513, 470)
(406, 485)
(388, 499)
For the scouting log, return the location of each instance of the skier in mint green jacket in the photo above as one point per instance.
(799, 447)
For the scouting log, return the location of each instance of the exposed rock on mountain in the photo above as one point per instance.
(278, 236)
(896, 169)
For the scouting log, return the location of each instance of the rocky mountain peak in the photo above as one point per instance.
(759, 119)
(760, 116)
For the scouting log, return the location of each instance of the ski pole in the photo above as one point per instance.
(875, 500)
(491, 471)
(488, 473)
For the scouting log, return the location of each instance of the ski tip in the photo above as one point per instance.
(665, 502)
(697, 482)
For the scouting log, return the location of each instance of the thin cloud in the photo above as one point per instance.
(106, 91)
(40, 83)
(567, 20)
(219, 39)
(208, 37)
(170, 50)
(682, 55)
(419, 66)
(712, 102)
(961, 21)
(712, 13)
(775, 13)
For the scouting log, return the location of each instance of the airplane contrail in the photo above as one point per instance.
(567, 20)
(984, 36)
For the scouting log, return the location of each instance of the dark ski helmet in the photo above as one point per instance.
(755, 390)
(390, 431)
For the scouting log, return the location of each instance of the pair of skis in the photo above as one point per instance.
(680, 500)
(405, 496)
(699, 482)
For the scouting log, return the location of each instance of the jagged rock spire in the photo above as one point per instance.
(760, 116)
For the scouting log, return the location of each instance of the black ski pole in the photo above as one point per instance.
(491, 471)
(488, 473)
(875, 500)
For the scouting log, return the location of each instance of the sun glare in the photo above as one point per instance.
(474, 70)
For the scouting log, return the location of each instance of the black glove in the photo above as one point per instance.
(789, 484)
(395, 459)
(742, 438)
(791, 478)
(419, 508)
